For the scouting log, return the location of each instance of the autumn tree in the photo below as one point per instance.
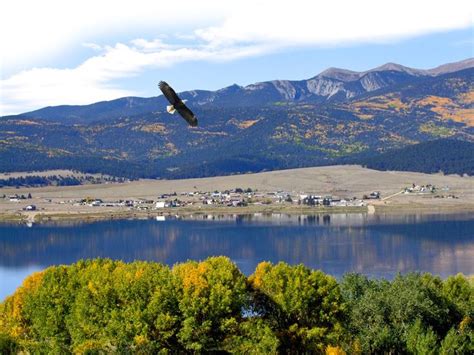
(211, 296)
(106, 306)
(303, 306)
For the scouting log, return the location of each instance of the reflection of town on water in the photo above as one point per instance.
(340, 219)
(377, 245)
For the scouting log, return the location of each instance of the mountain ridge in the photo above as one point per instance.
(324, 87)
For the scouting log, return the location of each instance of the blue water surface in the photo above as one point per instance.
(375, 245)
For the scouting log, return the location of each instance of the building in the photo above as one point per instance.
(160, 204)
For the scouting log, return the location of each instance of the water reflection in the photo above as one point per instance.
(375, 245)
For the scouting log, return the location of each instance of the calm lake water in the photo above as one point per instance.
(378, 246)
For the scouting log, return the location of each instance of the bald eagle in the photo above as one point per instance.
(177, 104)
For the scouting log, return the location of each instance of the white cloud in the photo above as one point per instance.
(211, 30)
(337, 21)
(90, 81)
(45, 86)
(93, 46)
(40, 29)
(150, 46)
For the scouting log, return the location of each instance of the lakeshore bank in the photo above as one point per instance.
(85, 216)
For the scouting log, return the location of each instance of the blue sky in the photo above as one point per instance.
(82, 52)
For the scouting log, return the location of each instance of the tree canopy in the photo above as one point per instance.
(106, 306)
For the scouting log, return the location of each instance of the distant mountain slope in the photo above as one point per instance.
(446, 155)
(246, 129)
(332, 85)
(449, 97)
(99, 111)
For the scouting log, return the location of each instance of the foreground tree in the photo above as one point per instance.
(304, 307)
(126, 307)
(411, 313)
(105, 306)
(211, 296)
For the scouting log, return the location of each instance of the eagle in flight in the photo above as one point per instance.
(177, 104)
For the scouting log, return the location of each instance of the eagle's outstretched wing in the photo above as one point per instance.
(178, 104)
(169, 93)
(187, 114)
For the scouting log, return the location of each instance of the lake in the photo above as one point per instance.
(375, 245)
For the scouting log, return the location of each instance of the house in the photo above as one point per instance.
(225, 197)
(160, 204)
(96, 203)
(15, 198)
(310, 200)
(327, 201)
(174, 203)
(374, 195)
(341, 202)
(237, 203)
(30, 208)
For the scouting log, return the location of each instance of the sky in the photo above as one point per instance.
(80, 52)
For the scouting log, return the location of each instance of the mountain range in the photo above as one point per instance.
(336, 116)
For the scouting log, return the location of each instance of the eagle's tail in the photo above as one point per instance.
(170, 109)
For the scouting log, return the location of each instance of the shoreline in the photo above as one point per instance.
(40, 217)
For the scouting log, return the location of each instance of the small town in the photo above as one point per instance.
(237, 197)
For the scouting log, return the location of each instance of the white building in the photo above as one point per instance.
(160, 204)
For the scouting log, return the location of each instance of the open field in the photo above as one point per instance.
(342, 181)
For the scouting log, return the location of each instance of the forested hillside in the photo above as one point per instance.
(445, 155)
(267, 126)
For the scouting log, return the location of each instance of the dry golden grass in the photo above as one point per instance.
(25, 123)
(436, 101)
(467, 98)
(247, 124)
(448, 109)
(383, 103)
(151, 128)
(364, 116)
(57, 152)
(210, 133)
(459, 109)
(460, 115)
